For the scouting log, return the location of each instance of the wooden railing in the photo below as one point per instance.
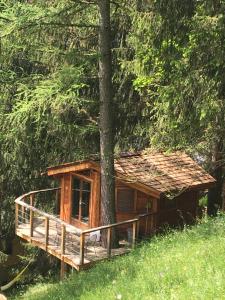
(26, 213)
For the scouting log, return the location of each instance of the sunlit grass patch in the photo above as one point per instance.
(181, 265)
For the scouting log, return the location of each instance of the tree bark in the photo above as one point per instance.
(215, 194)
(106, 116)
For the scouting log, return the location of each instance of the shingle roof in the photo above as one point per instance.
(156, 171)
(162, 171)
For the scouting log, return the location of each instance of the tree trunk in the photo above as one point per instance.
(215, 194)
(106, 117)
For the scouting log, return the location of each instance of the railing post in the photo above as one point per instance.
(146, 225)
(32, 200)
(109, 241)
(16, 216)
(134, 233)
(31, 223)
(138, 228)
(63, 236)
(23, 214)
(46, 232)
(82, 240)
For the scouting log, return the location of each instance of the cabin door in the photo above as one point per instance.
(81, 193)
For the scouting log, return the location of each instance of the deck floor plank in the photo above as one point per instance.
(92, 253)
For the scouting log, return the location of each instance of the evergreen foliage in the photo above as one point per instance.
(168, 80)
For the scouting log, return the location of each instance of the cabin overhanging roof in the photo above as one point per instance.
(154, 173)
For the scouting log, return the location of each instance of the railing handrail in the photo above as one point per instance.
(77, 231)
(36, 192)
(20, 201)
(110, 225)
(146, 215)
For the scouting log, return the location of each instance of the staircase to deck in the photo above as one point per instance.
(76, 247)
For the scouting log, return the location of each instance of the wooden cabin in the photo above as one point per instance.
(153, 190)
(167, 185)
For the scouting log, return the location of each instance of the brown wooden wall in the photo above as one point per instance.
(141, 200)
(183, 213)
(65, 203)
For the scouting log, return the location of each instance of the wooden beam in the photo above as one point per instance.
(69, 168)
(137, 185)
(85, 178)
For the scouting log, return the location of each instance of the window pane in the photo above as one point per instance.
(75, 204)
(85, 206)
(86, 186)
(125, 200)
(76, 183)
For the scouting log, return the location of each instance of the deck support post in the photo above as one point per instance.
(109, 241)
(32, 200)
(31, 223)
(82, 240)
(63, 268)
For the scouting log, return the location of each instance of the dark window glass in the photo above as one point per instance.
(76, 184)
(75, 204)
(125, 200)
(81, 198)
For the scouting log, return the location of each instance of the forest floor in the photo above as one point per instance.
(188, 264)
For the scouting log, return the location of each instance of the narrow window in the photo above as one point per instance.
(81, 198)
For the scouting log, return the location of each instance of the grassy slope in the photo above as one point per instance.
(181, 265)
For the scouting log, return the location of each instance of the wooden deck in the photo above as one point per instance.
(93, 251)
(78, 248)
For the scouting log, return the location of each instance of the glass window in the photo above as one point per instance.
(80, 199)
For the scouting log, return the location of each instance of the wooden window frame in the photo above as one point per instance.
(82, 179)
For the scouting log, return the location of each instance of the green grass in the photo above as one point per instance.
(181, 265)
